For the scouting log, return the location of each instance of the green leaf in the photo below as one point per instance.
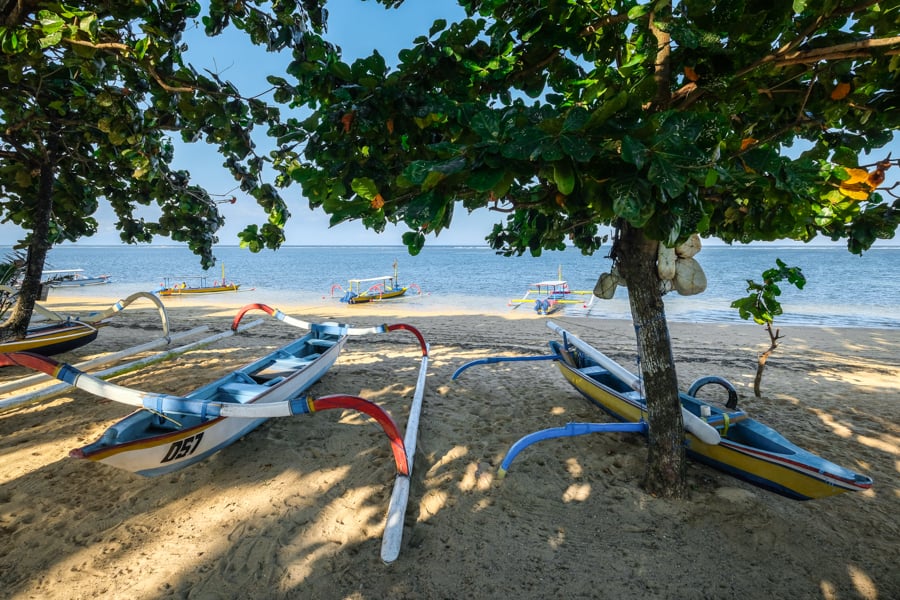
(524, 144)
(365, 187)
(633, 151)
(341, 70)
(564, 177)
(576, 119)
(50, 22)
(667, 175)
(414, 241)
(636, 12)
(438, 25)
(577, 147)
(632, 200)
(484, 180)
(50, 40)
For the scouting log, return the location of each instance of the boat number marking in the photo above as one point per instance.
(183, 448)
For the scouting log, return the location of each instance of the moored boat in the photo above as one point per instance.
(52, 333)
(550, 296)
(196, 284)
(373, 289)
(746, 448)
(57, 278)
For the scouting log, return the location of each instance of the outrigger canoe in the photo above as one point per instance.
(72, 278)
(53, 338)
(171, 432)
(745, 448)
(58, 333)
(548, 297)
(373, 289)
(179, 286)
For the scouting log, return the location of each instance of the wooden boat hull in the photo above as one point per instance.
(57, 338)
(363, 298)
(748, 449)
(175, 291)
(78, 282)
(149, 444)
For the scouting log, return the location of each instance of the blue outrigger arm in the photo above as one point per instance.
(497, 359)
(569, 430)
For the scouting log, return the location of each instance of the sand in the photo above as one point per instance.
(296, 509)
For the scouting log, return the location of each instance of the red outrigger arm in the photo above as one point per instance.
(73, 376)
(377, 413)
(35, 362)
(337, 326)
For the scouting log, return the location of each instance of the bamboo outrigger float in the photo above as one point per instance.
(723, 437)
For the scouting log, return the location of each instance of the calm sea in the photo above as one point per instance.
(842, 290)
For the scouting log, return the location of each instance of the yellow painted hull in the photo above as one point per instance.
(53, 339)
(175, 291)
(363, 298)
(748, 450)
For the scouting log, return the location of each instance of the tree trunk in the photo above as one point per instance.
(635, 257)
(16, 325)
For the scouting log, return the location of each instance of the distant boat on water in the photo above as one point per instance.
(178, 286)
(374, 289)
(71, 278)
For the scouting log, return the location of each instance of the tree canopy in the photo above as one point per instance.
(737, 120)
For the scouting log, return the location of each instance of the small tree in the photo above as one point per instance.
(762, 306)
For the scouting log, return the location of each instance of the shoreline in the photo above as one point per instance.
(296, 509)
(94, 298)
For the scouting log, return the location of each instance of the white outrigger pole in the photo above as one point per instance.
(393, 528)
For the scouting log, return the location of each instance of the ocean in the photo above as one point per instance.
(842, 290)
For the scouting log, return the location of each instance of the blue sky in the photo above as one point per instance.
(357, 27)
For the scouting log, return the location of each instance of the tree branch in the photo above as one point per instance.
(662, 70)
(124, 50)
(859, 49)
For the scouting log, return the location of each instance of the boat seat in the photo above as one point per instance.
(321, 343)
(594, 372)
(283, 367)
(243, 392)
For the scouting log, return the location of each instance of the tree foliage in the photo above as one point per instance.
(736, 119)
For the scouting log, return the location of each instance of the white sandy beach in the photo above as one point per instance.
(297, 508)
